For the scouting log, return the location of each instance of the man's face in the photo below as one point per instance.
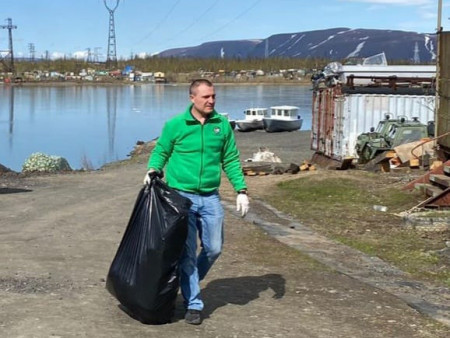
(204, 99)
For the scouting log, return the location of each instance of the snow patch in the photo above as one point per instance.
(357, 50)
(322, 42)
(343, 32)
(296, 41)
(429, 46)
(286, 42)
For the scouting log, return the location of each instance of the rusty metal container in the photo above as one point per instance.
(340, 115)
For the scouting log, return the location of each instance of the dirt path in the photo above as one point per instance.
(59, 234)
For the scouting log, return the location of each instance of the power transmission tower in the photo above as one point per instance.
(96, 53)
(111, 57)
(9, 67)
(32, 51)
(89, 55)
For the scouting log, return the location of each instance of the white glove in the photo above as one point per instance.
(242, 204)
(148, 177)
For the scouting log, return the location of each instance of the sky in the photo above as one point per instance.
(71, 28)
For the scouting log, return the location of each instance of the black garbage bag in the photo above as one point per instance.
(144, 273)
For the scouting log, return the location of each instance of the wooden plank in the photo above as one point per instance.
(258, 168)
(436, 164)
(414, 163)
(426, 178)
(447, 170)
(442, 180)
(304, 167)
(390, 154)
(431, 190)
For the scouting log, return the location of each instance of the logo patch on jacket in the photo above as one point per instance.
(216, 130)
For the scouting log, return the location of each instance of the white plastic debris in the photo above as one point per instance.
(264, 155)
(380, 208)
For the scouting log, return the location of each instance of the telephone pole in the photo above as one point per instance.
(9, 66)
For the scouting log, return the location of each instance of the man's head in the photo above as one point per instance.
(203, 96)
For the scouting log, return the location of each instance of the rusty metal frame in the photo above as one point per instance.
(441, 200)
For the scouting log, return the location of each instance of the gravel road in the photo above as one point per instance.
(59, 234)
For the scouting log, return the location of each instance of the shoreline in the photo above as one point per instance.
(126, 83)
(290, 147)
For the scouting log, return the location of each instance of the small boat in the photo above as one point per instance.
(283, 118)
(253, 119)
(232, 122)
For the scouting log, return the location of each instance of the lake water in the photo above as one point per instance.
(94, 125)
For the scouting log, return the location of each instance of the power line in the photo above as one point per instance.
(195, 21)
(159, 24)
(231, 21)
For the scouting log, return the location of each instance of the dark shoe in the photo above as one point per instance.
(193, 317)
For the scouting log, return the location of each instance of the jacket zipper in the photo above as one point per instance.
(201, 159)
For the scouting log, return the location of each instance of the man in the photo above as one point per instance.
(196, 145)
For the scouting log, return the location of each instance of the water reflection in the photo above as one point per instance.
(11, 114)
(111, 113)
(94, 125)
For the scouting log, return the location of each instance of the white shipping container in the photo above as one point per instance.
(339, 118)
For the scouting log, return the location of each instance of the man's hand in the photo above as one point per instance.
(242, 204)
(151, 174)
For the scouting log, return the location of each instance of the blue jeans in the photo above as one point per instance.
(206, 217)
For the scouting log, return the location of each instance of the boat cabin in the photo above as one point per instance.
(255, 113)
(285, 112)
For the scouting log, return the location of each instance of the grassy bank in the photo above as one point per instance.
(340, 205)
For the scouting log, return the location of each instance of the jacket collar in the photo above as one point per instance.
(190, 118)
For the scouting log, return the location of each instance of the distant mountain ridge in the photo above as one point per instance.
(334, 43)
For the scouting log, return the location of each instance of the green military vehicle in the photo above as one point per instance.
(389, 134)
(381, 130)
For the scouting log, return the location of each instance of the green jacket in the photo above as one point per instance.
(196, 153)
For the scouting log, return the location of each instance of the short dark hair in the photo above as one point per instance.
(196, 83)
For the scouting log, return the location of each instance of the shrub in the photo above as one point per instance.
(45, 163)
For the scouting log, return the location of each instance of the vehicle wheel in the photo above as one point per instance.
(365, 156)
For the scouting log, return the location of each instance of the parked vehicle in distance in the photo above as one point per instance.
(390, 134)
(382, 128)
